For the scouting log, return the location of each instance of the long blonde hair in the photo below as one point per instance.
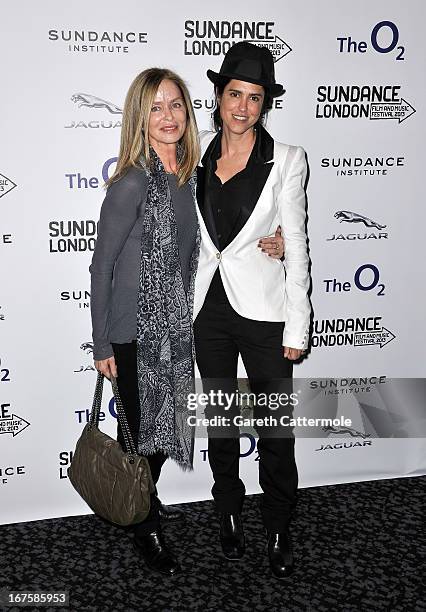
(134, 143)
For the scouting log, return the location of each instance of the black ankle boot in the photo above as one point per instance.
(280, 554)
(155, 553)
(232, 536)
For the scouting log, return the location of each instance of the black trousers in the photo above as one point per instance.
(127, 382)
(220, 336)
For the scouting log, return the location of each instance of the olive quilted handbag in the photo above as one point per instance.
(115, 484)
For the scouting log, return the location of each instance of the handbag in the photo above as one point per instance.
(116, 485)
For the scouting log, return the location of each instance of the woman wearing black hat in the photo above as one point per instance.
(248, 304)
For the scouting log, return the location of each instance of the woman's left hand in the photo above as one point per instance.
(273, 246)
(292, 353)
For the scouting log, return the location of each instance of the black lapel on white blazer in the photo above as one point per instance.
(203, 199)
(259, 173)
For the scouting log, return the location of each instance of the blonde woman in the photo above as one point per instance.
(142, 282)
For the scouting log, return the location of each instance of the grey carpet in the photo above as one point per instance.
(358, 547)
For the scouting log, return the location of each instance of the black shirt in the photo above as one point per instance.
(227, 198)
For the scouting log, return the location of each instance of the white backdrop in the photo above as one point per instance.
(65, 72)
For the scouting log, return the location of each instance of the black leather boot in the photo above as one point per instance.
(155, 553)
(232, 536)
(171, 514)
(280, 554)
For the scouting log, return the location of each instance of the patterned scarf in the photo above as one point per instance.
(165, 344)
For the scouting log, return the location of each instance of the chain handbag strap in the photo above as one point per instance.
(97, 400)
(130, 446)
(96, 407)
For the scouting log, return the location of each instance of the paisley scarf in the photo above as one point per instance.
(165, 343)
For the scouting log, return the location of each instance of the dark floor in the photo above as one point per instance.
(359, 547)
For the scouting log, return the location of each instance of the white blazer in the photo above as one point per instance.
(259, 287)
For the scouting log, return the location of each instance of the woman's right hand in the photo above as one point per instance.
(107, 367)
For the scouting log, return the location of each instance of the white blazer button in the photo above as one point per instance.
(218, 255)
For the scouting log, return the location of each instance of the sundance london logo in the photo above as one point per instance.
(352, 331)
(6, 185)
(11, 423)
(68, 236)
(203, 37)
(373, 102)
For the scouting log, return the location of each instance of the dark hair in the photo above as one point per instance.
(219, 89)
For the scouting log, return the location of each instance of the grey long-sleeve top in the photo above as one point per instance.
(116, 260)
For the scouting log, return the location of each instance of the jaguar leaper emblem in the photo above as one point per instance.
(353, 217)
(330, 429)
(87, 347)
(83, 99)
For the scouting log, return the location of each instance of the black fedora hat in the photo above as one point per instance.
(247, 62)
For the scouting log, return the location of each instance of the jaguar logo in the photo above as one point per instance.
(87, 347)
(330, 429)
(83, 99)
(353, 217)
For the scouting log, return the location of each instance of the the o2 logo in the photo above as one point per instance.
(83, 416)
(366, 278)
(384, 38)
(112, 409)
(77, 180)
(252, 447)
(386, 26)
(245, 451)
(4, 374)
(106, 171)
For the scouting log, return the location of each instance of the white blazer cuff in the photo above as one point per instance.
(298, 341)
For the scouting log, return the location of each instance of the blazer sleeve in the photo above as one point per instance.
(205, 137)
(123, 203)
(292, 213)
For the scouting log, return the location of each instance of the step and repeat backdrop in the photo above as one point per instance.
(354, 79)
